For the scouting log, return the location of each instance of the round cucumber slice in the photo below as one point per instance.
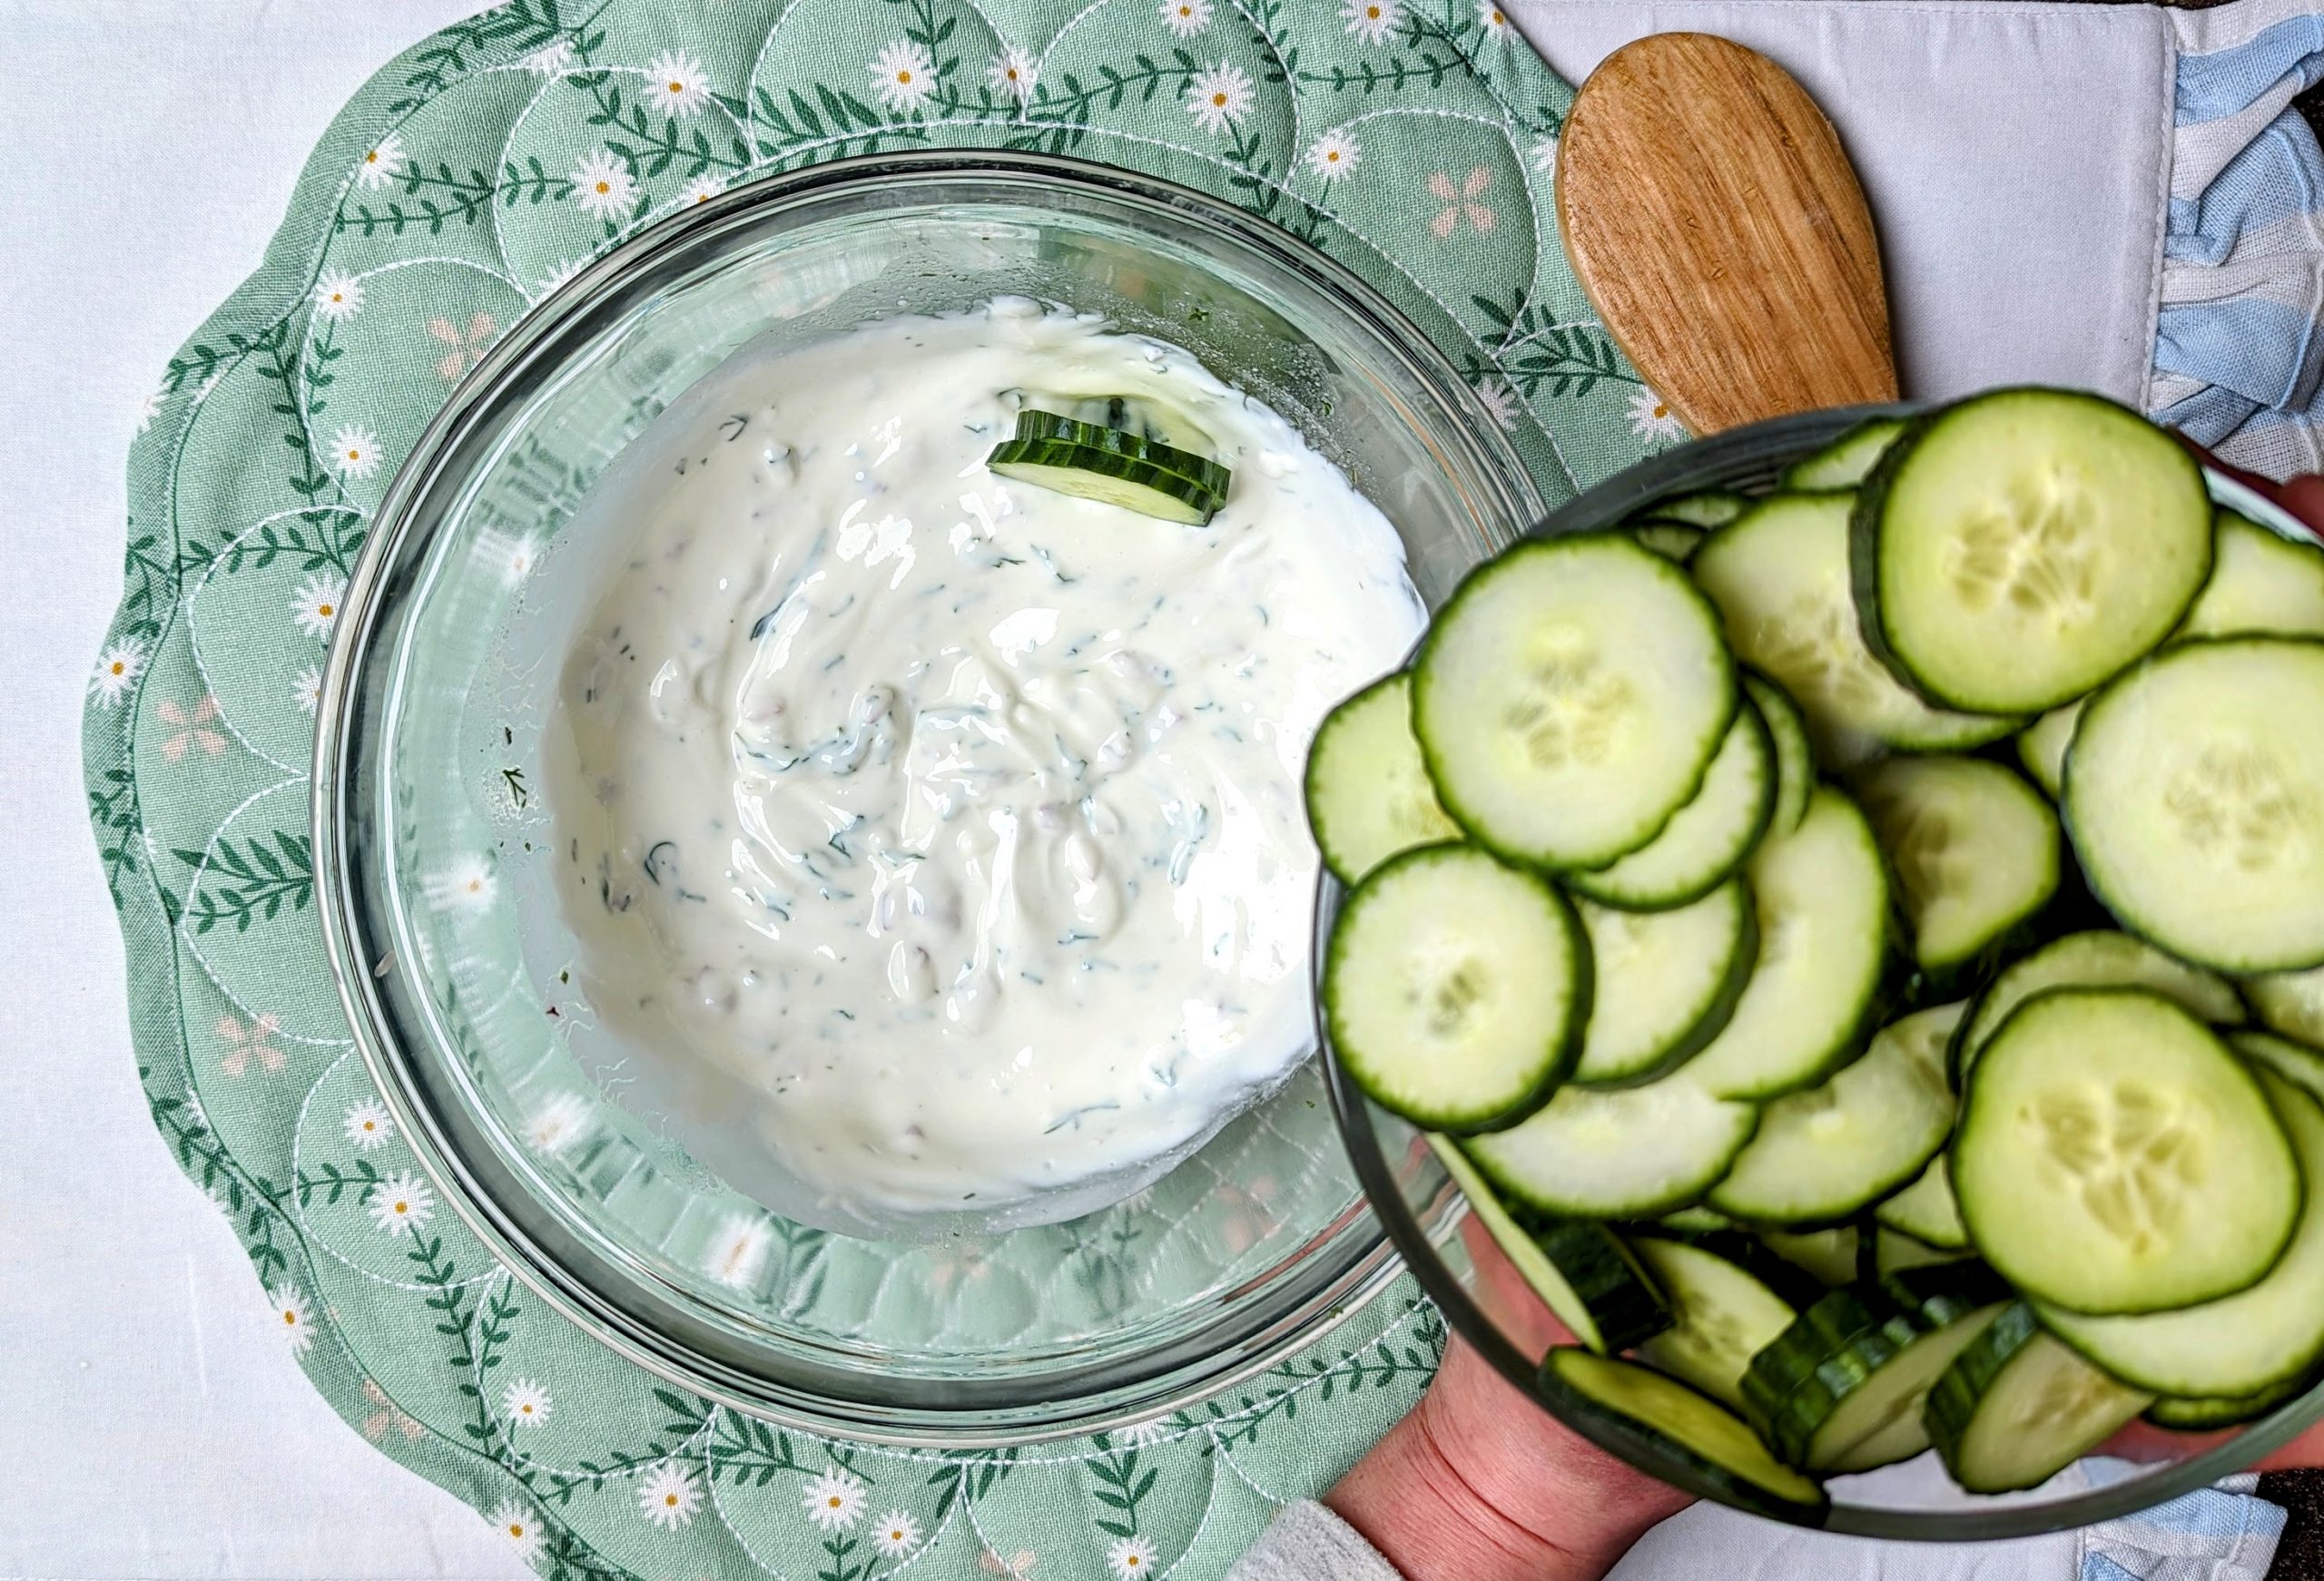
(1652, 1419)
(1709, 508)
(2205, 1415)
(2017, 1407)
(2114, 1158)
(2194, 793)
(1667, 983)
(1671, 540)
(1722, 1314)
(1795, 754)
(1570, 699)
(1455, 989)
(1145, 443)
(1368, 795)
(1708, 840)
(1974, 848)
(2041, 747)
(2100, 959)
(2291, 1003)
(2016, 550)
(1108, 477)
(2261, 582)
(1848, 460)
(1632, 1152)
(1925, 1209)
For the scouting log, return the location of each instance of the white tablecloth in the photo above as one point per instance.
(150, 1425)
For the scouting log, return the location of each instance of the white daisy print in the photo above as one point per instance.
(1501, 401)
(1545, 153)
(521, 1526)
(903, 76)
(367, 1124)
(1493, 19)
(1652, 418)
(338, 295)
(896, 1535)
(379, 165)
(677, 82)
(307, 686)
(402, 1204)
(1131, 1557)
(558, 276)
(834, 1500)
(1140, 1435)
(551, 58)
(1012, 74)
(292, 1316)
(1372, 20)
(1220, 96)
(466, 886)
(1186, 17)
(668, 1497)
(355, 451)
(147, 410)
(118, 668)
(315, 603)
(700, 190)
(525, 1403)
(1334, 154)
(740, 1251)
(604, 185)
(563, 1122)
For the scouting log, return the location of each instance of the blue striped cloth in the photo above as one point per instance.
(2222, 1533)
(2238, 352)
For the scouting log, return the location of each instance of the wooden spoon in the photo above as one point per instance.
(1718, 227)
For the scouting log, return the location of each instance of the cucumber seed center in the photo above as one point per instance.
(2034, 549)
(2128, 1155)
(2235, 803)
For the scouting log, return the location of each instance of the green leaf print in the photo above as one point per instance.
(259, 878)
(319, 538)
(520, 24)
(837, 124)
(1120, 1487)
(973, 1472)
(112, 809)
(330, 1182)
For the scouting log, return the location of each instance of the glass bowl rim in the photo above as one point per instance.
(1791, 434)
(1359, 1271)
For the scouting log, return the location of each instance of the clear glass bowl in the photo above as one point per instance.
(1426, 1213)
(1251, 1247)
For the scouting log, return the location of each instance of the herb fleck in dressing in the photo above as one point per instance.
(959, 820)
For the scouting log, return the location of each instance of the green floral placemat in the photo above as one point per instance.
(1413, 138)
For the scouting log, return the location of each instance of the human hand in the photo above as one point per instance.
(1481, 1484)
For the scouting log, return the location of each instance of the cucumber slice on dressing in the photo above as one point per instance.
(1570, 699)
(2270, 1334)
(1822, 895)
(2016, 549)
(1708, 840)
(1821, 1154)
(1722, 1315)
(1709, 508)
(1795, 755)
(1137, 435)
(1925, 1209)
(2290, 1004)
(1974, 848)
(2100, 959)
(2260, 582)
(2018, 1406)
(2041, 747)
(1368, 795)
(2194, 794)
(1652, 1420)
(1667, 983)
(2114, 1158)
(1633, 1152)
(1848, 460)
(1137, 476)
(1580, 1270)
(1455, 989)
(1779, 576)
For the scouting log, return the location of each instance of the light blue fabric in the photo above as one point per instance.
(2239, 358)
(2223, 1533)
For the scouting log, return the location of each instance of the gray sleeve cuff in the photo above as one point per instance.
(1308, 1542)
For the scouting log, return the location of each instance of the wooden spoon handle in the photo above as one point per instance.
(1717, 225)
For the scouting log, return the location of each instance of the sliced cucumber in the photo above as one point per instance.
(1652, 1420)
(1708, 840)
(1570, 698)
(1974, 848)
(1723, 1315)
(1668, 981)
(1822, 896)
(2194, 793)
(1895, 1253)
(1696, 1221)
(1795, 755)
(1861, 1360)
(2041, 747)
(2242, 1344)
(1779, 576)
(1671, 540)
(2283, 1058)
(1630, 1153)
(1848, 460)
(1925, 1209)
(1710, 507)
(1456, 988)
(1152, 479)
(2290, 1004)
(2100, 959)
(2017, 1407)
(1580, 1270)
(2259, 582)
(1834, 1256)
(1821, 1154)
(2016, 549)
(2114, 1158)
(1130, 429)
(1368, 795)
(2204, 1415)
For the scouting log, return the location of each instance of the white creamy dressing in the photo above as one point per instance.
(959, 820)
